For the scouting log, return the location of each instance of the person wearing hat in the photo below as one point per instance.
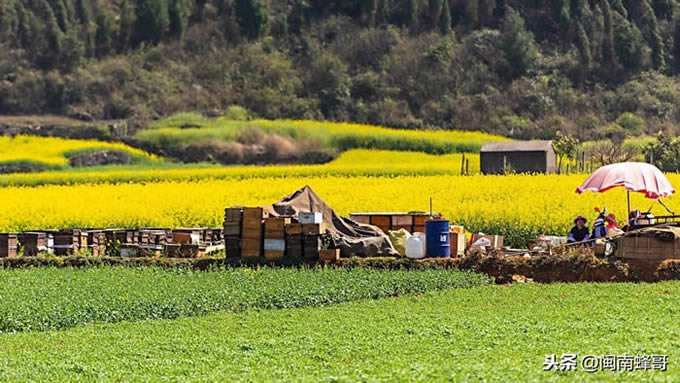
(611, 222)
(579, 232)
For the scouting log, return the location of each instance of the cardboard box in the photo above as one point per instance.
(457, 244)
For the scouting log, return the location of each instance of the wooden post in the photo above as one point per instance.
(467, 167)
(505, 165)
(462, 165)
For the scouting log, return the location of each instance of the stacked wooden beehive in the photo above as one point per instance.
(311, 234)
(96, 242)
(252, 234)
(8, 245)
(34, 243)
(69, 241)
(233, 220)
(294, 240)
(275, 237)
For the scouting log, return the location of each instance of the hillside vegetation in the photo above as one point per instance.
(194, 138)
(523, 69)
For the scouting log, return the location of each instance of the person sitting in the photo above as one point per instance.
(579, 232)
(600, 227)
(633, 218)
(611, 222)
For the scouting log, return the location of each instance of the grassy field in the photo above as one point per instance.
(339, 136)
(60, 298)
(491, 333)
(518, 206)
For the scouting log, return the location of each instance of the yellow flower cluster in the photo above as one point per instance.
(53, 151)
(517, 206)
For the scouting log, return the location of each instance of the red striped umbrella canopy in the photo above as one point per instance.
(636, 177)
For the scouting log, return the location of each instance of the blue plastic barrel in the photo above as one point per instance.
(437, 238)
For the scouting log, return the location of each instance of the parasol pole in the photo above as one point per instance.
(628, 195)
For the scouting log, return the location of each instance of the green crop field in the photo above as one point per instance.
(61, 298)
(487, 333)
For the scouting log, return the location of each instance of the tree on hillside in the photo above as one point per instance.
(517, 45)
(126, 24)
(445, 19)
(253, 17)
(152, 21)
(179, 12)
(676, 46)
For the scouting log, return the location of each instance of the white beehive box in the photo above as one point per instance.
(307, 218)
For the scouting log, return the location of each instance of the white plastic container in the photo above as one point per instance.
(415, 246)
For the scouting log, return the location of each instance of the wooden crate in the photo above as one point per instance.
(232, 247)
(311, 246)
(250, 253)
(294, 246)
(361, 218)
(419, 220)
(34, 243)
(254, 230)
(311, 229)
(233, 214)
(9, 245)
(294, 229)
(402, 220)
(275, 228)
(273, 255)
(382, 221)
(254, 213)
(647, 246)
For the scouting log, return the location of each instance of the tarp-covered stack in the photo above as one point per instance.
(354, 239)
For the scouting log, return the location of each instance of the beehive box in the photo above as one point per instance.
(311, 229)
(172, 250)
(647, 246)
(232, 247)
(129, 250)
(294, 229)
(9, 245)
(67, 242)
(311, 246)
(96, 242)
(294, 246)
(311, 217)
(34, 243)
(275, 228)
(329, 255)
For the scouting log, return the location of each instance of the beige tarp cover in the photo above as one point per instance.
(352, 238)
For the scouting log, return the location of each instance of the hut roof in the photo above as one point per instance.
(518, 146)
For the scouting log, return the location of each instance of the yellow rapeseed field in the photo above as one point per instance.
(53, 151)
(360, 162)
(518, 206)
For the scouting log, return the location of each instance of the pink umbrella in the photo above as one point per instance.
(636, 177)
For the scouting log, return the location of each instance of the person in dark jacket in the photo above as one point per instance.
(579, 232)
